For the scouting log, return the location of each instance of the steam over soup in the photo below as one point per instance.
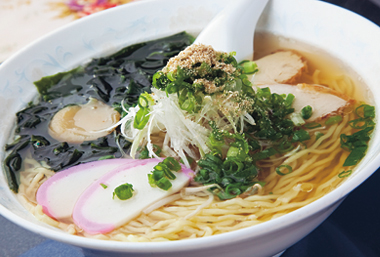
(199, 144)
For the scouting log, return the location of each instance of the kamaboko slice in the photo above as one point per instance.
(59, 193)
(99, 211)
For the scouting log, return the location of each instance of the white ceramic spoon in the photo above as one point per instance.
(233, 28)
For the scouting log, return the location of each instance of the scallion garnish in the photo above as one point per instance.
(355, 156)
(163, 183)
(124, 191)
(312, 125)
(297, 119)
(345, 173)
(361, 123)
(300, 136)
(142, 115)
(333, 120)
(144, 154)
(284, 169)
(357, 143)
(103, 185)
(306, 112)
(365, 111)
(232, 175)
(249, 67)
(318, 135)
(285, 146)
(141, 118)
(264, 154)
(271, 115)
(163, 172)
(192, 84)
(289, 100)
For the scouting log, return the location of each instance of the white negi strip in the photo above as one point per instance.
(59, 193)
(167, 116)
(97, 211)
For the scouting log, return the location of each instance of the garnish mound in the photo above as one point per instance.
(193, 57)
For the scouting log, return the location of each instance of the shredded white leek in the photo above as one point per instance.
(166, 115)
(186, 134)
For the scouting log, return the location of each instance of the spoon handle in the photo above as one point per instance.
(233, 28)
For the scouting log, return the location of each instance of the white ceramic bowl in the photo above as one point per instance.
(343, 34)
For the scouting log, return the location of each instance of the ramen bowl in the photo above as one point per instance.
(344, 35)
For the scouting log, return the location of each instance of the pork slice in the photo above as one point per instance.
(324, 101)
(284, 67)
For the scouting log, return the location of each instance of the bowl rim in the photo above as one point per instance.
(205, 242)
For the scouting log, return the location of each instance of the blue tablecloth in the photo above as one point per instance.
(351, 231)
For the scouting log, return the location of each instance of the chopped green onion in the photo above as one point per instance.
(143, 102)
(361, 123)
(286, 168)
(345, 173)
(142, 115)
(285, 146)
(246, 82)
(265, 92)
(151, 180)
(124, 191)
(103, 185)
(306, 112)
(249, 67)
(357, 143)
(167, 172)
(172, 163)
(141, 118)
(355, 156)
(233, 151)
(333, 120)
(188, 104)
(289, 100)
(300, 136)
(365, 111)
(144, 154)
(318, 135)
(170, 76)
(297, 119)
(171, 88)
(233, 190)
(312, 125)
(231, 176)
(164, 184)
(162, 173)
(264, 154)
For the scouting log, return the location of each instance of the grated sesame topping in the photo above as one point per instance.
(209, 86)
(197, 54)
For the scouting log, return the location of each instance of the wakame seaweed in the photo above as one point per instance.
(122, 76)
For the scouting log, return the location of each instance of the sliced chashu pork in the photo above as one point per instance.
(284, 67)
(324, 101)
